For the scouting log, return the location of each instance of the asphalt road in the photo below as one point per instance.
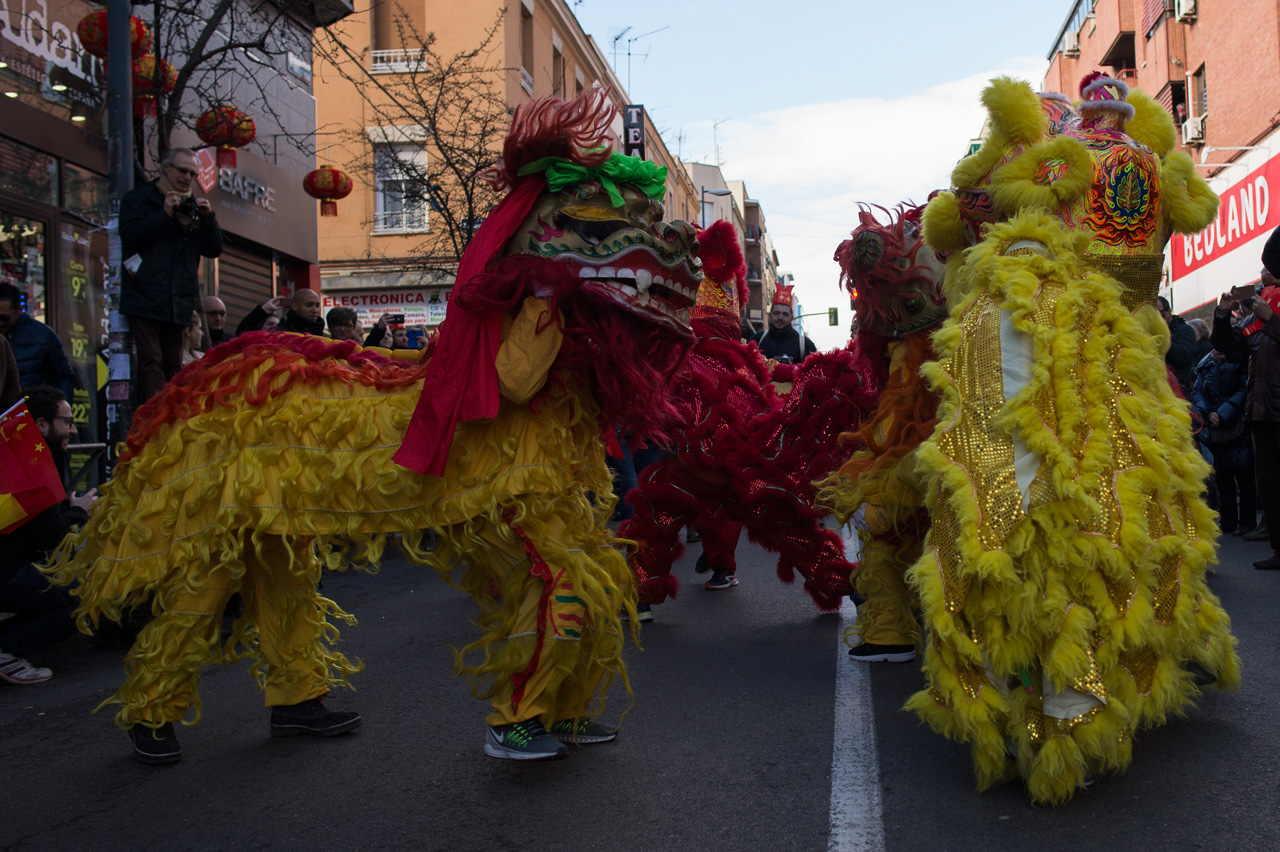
(727, 747)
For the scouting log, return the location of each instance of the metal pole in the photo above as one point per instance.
(119, 182)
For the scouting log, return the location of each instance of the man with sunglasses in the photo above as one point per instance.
(165, 230)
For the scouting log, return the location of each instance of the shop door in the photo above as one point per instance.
(245, 280)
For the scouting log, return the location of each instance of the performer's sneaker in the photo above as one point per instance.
(155, 746)
(702, 566)
(868, 653)
(17, 670)
(526, 740)
(721, 580)
(643, 613)
(1271, 563)
(582, 732)
(310, 718)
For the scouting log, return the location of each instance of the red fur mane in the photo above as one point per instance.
(554, 127)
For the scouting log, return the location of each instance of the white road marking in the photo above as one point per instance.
(857, 819)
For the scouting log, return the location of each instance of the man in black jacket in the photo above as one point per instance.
(302, 317)
(165, 230)
(36, 348)
(1262, 390)
(41, 611)
(780, 341)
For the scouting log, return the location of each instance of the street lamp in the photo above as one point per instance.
(702, 210)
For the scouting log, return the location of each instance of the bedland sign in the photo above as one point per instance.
(417, 305)
(1228, 252)
(261, 202)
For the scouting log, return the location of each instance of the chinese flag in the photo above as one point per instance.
(29, 480)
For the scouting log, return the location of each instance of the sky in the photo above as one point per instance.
(818, 105)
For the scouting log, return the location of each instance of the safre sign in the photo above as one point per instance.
(1245, 213)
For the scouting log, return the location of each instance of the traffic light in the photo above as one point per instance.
(833, 316)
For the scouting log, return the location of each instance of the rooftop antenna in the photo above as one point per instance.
(680, 144)
(616, 39)
(629, 41)
(715, 143)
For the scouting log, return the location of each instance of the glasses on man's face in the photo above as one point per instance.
(65, 418)
(188, 172)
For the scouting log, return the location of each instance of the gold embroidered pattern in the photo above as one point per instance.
(1091, 684)
(972, 682)
(1140, 663)
(974, 442)
(1041, 727)
(1137, 274)
(944, 538)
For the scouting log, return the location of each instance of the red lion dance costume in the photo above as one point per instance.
(273, 455)
(896, 285)
(747, 459)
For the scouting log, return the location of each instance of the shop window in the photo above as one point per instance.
(1200, 92)
(29, 173)
(401, 194)
(22, 259)
(84, 193)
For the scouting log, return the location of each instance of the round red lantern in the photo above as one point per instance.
(92, 31)
(328, 184)
(150, 77)
(228, 128)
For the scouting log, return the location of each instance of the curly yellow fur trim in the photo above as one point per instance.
(1151, 124)
(1020, 182)
(941, 224)
(1191, 204)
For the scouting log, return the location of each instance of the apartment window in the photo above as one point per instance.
(1200, 92)
(557, 72)
(400, 195)
(526, 43)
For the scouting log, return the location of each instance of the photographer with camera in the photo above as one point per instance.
(165, 230)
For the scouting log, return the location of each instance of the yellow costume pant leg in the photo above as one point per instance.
(560, 633)
(886, 618)
(164, 663)
(281, 599)
(287, 624)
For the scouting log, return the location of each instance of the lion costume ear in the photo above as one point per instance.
(943, 230)
(1048, 174)
(1016, 119)
(1189, 202)
(1151, 124)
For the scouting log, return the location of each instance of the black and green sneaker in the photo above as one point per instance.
(526, 740)
(582, 732)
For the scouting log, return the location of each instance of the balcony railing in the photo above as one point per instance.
(396, 61)
(400, 221)
(526, 81)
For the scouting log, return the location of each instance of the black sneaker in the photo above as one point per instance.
(582, 732)
(702, 566)
(691, 535)
(526, 740)
(310, 718)
(721, 580)
(155, 746)
(868, 653)
(644, 612)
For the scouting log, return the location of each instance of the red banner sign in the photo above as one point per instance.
(1245, 213)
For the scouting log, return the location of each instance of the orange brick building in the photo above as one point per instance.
(1216, 67)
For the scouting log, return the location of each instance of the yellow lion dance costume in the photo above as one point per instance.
(1063, 579)
(272, 457)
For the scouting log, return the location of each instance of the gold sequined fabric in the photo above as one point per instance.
(1138, 275)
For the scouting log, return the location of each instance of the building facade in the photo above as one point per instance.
(1216, 67)
(395, 244)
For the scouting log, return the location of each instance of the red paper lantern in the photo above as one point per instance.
(147, 69)
(328, 184)
(228, 128)
(92, 31)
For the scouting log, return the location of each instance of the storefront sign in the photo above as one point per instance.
(1228, 252)
(260, 201)
(419, 306)
(633, 130)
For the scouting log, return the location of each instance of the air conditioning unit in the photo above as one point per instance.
(1193, 130)
(1184, 11)
(1071, 43)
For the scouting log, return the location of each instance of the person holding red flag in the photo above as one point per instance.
(35, 437)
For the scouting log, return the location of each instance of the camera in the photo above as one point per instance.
(1247, 302)
(395, 319)
(187, 207)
